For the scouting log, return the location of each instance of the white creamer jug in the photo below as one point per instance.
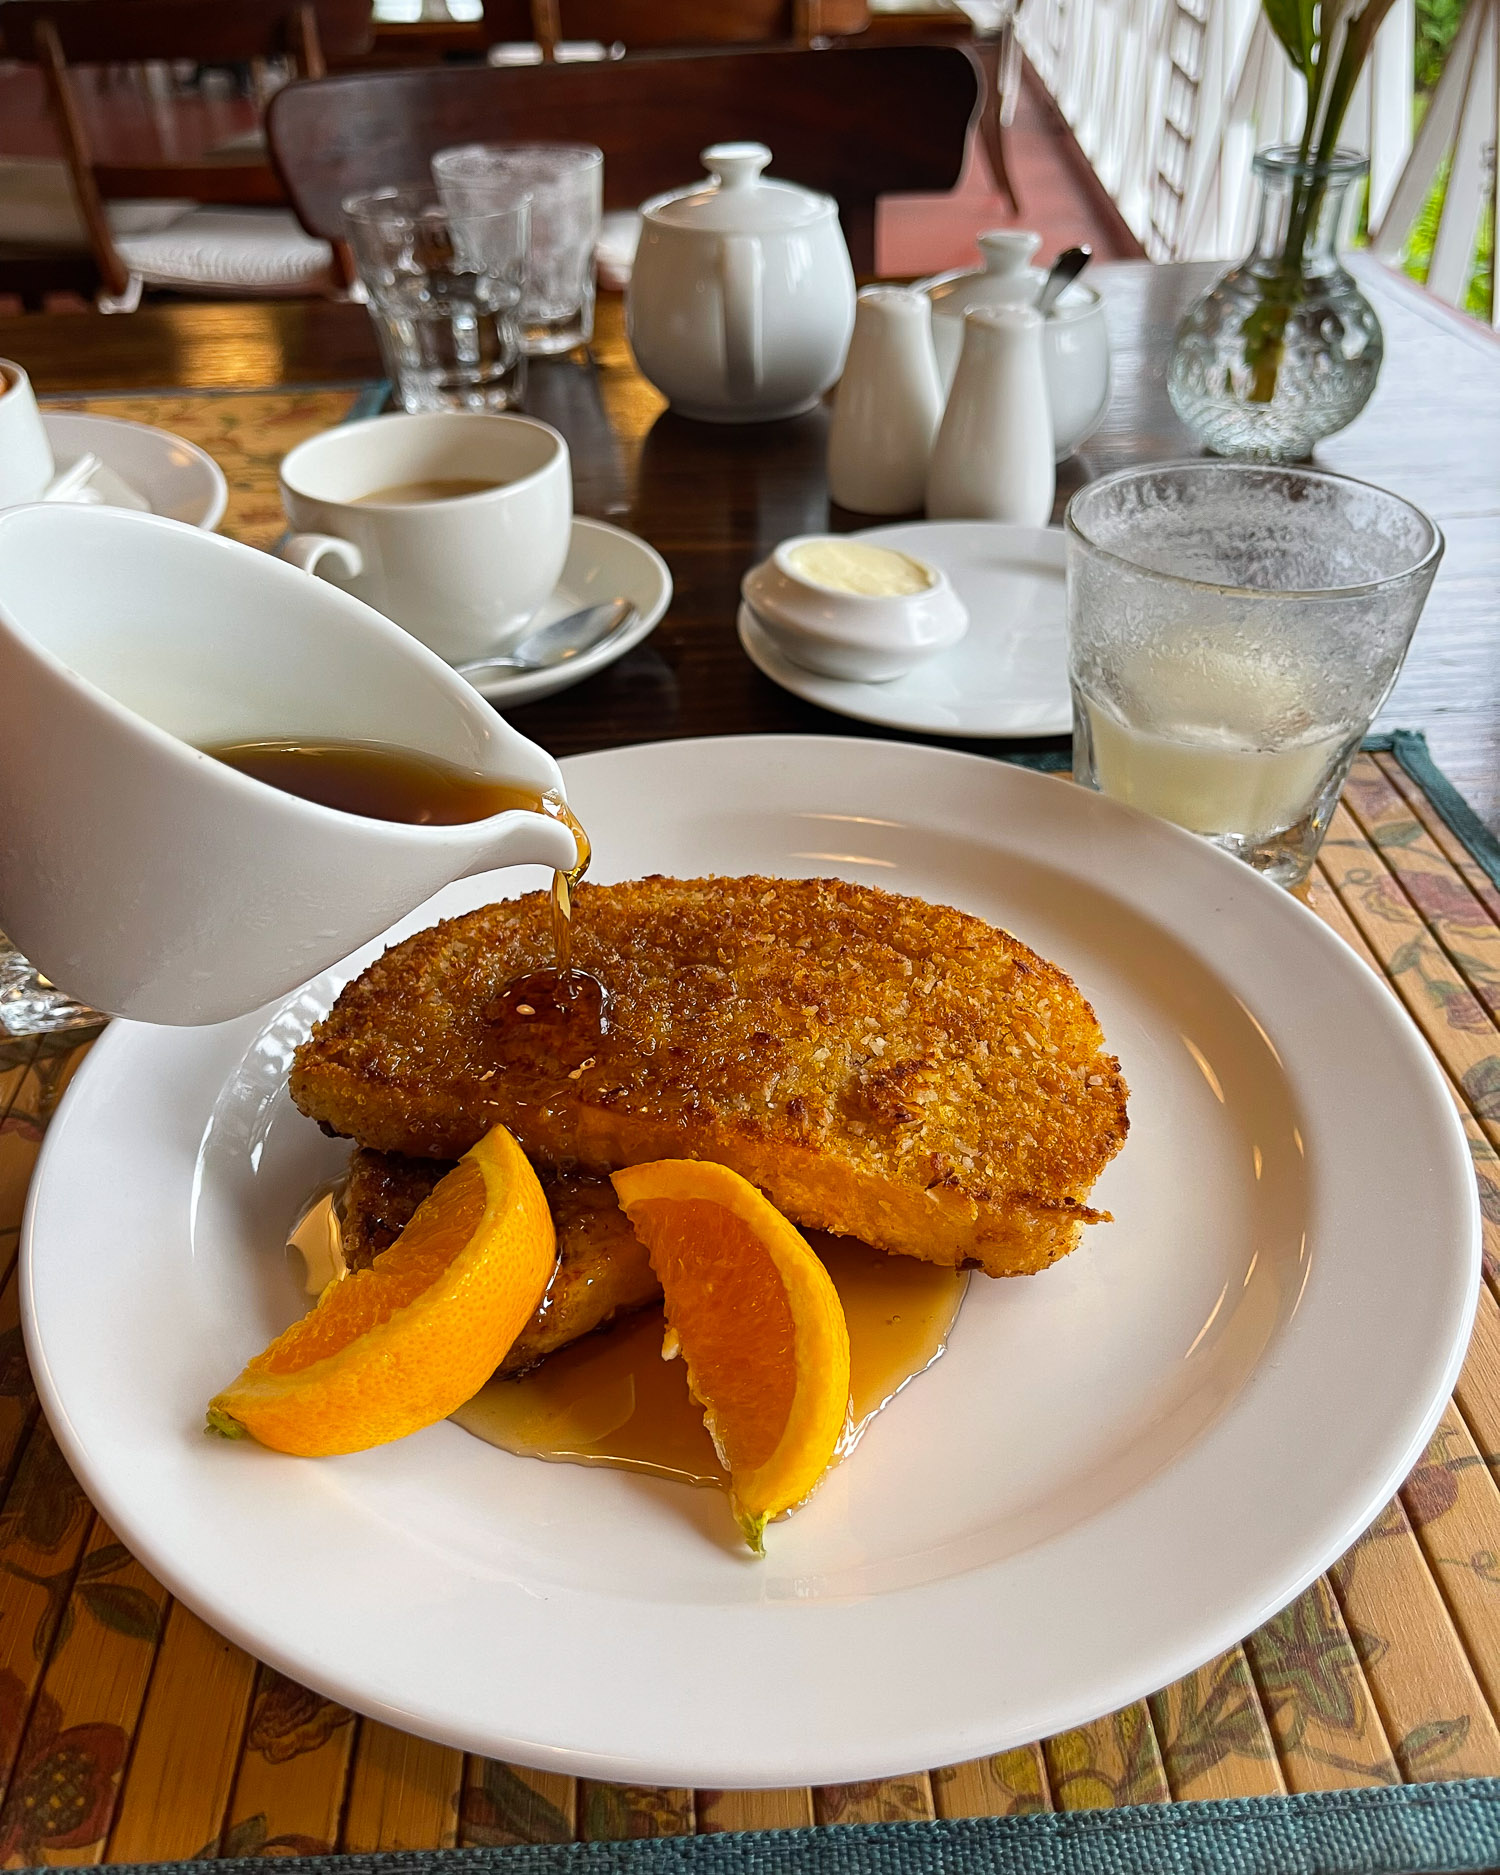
(149, 879)
(741, 300)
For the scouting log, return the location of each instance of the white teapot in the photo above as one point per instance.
(741, 300)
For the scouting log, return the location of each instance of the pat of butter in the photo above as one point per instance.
(855, 566)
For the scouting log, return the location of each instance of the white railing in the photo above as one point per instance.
(1170, 99)
(1459, 131)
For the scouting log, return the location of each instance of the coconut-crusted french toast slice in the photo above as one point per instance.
(881, 1067)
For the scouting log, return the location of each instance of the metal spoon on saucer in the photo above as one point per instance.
(561, 641)
(1065, 270)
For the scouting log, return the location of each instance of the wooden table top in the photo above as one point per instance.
(715, 499)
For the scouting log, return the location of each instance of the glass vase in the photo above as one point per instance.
(1284, 349)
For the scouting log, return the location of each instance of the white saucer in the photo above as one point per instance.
(143, 467)
(1007, 677)
(604, 562)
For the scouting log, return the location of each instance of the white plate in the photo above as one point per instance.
(604, 562)
(166, 473)
(1008, 676)
(1119, 1468)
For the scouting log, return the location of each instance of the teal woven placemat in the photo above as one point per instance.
(1421, 1829)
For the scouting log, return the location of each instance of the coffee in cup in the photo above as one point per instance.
(455, 524)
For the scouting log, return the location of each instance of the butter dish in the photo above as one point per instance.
(844, 607)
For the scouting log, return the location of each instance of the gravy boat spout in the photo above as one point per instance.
(146, 877)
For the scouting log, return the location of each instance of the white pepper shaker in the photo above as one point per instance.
(993, 457)
(888, 405)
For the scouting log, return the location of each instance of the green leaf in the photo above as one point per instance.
(504, 1809)
(240, 1839)
(1430, 1744)
(1482, 1084)
(128, 1611)
(1294, 24)
(103, 1561)
(1405, 957)
(1358, 40)
(1489, 1200)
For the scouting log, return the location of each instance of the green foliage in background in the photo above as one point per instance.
(1437, 22)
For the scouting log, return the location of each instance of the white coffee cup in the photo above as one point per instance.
(463, 575)
(142, 875)
(26, 465)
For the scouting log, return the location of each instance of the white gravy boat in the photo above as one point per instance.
(154, 882)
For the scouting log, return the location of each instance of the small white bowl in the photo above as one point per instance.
(863, 637)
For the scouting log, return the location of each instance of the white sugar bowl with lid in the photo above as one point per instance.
(741, 300)
(1075, 343)
(848, 608)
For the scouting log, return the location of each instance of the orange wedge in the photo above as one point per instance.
(404, 1343)
(760, 1326)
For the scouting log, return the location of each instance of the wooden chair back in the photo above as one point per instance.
(661, 25)
(60, 35)
(207, 32)
(856, 123)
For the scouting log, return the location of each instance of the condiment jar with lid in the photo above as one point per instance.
(1075, 343)
(741, 299)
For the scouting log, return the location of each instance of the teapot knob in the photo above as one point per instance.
(736, 165)
(1008, 250)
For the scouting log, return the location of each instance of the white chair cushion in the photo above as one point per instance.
(37, 207)
(566, 52)
(231, 250)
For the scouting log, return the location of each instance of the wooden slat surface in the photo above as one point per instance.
(129, 1730)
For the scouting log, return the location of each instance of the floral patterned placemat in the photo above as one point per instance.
(131, 1732)
(246, 432)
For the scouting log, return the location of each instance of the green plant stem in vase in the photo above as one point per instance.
(1284, 349)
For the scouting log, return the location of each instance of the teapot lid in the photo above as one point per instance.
(739, 200)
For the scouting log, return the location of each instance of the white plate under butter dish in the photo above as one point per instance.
(1118, 1468)
(1008, 674)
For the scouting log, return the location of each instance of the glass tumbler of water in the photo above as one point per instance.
(1232, 631)
(566, 185)
(445, 294)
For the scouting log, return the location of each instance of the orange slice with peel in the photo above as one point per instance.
(760, 1326)
(403, 1344)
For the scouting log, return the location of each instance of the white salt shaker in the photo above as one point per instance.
(993, 458)
(888, 405)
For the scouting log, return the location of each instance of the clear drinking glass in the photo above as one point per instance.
(1232, 630)
(445, 294)
(566, 185)
(31, 1004)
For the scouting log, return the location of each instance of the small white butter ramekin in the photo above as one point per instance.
(852, 635)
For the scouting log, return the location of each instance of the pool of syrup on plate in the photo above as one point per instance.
(609, 1398)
